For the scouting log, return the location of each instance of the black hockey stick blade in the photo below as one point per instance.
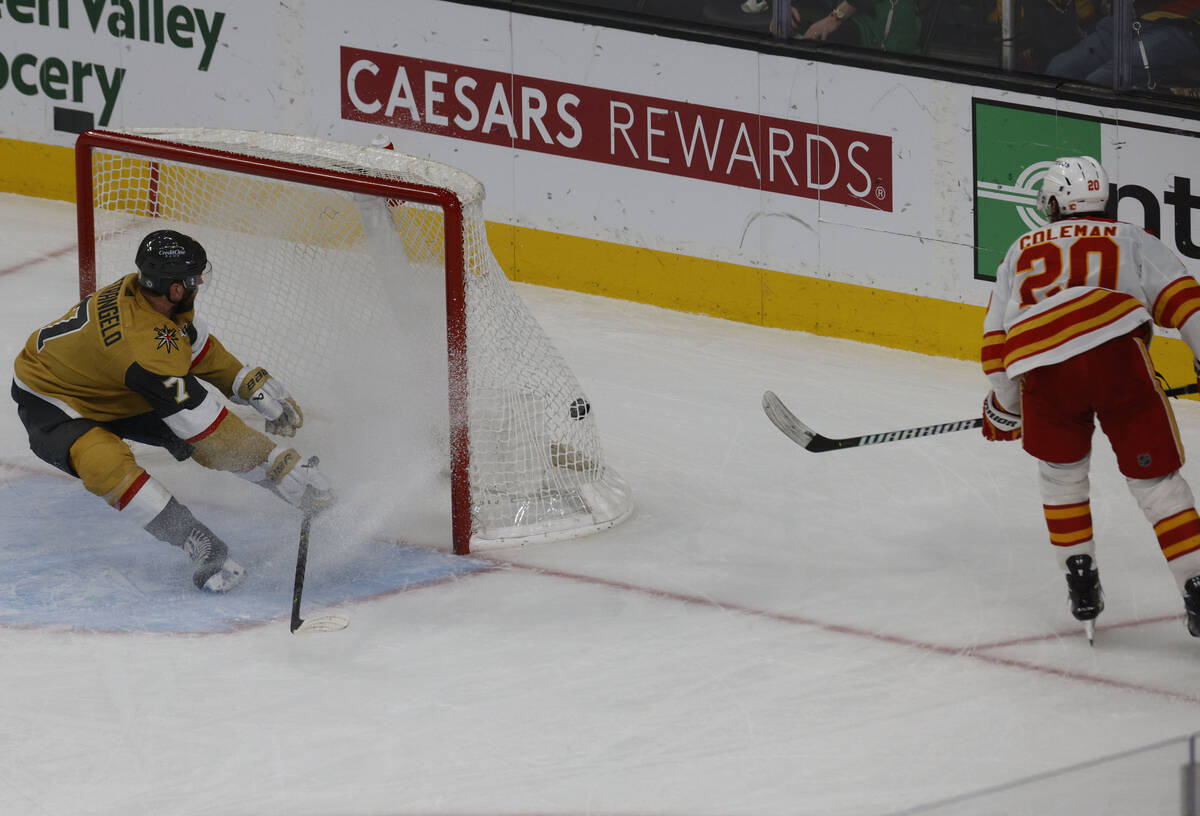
(325, 623)
(810, 440)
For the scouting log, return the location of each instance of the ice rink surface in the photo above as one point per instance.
(774, 632)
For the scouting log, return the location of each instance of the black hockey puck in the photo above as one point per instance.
(580, 408)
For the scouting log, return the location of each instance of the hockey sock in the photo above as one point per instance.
(173, 524)
(1168, 504)
(1068, 510)
(1070, 527)
(1179, 537)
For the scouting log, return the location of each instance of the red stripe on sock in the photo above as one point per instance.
(1068, 524)
(1179, 534)
(128, 495)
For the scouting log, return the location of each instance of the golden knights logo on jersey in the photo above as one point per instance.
(167, 338)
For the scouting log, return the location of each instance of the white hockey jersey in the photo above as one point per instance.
(1076, 283)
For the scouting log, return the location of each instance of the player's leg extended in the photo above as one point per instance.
(108, 469)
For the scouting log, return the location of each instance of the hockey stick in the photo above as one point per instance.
(810, 440)
(326, 623)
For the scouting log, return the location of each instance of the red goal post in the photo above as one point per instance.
(353, 248)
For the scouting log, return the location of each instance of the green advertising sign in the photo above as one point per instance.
(1013, 148)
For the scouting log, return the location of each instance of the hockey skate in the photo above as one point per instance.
(1191, 602)
(215, 570)
(1085, 594)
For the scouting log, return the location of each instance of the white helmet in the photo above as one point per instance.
(1078, 183)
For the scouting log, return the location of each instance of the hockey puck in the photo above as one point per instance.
(580, 408)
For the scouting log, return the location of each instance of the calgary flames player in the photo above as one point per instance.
(1065, 344)
(126, 363)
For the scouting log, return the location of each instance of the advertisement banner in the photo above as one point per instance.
(657, 134)
(1151, 181)
(70, 65)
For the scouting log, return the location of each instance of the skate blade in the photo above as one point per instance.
(232, 573)
(325, 623)
(1089, 629)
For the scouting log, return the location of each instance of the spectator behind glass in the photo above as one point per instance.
(1046, 28)
(1166, 30)
(888, 25)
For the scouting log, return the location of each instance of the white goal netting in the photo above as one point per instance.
(340, 289)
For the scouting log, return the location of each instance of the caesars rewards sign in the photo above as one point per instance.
(601, 125)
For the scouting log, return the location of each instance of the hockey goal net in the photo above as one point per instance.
(362, 279)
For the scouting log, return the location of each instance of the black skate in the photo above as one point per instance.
(215, 570)
(1086, 596)
(1191, 602)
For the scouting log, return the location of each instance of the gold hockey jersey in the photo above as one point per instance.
(114, 356)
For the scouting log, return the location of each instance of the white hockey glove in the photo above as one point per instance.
(998, 424)
(254, 386)
(298, 482)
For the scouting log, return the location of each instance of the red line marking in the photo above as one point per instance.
(49, 256)
(1000, 644)
(972, 652)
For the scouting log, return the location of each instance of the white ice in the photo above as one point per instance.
(774, 631)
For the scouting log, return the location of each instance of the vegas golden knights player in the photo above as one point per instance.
(128, 363)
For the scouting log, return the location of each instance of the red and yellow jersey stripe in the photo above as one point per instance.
(1176, 303)
(992, 355)
(1068, 323)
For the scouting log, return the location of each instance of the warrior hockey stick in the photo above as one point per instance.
(327, 623)
(810, 440)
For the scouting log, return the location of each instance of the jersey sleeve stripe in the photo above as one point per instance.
(197, 356)
(220, 418)
(200, 338)
(1063, 324)
(195, 423)
(992, 355)
(1177, 302)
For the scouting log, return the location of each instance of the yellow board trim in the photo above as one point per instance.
(762, 297)
(38, 170)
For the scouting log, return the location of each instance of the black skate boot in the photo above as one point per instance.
(1086, 596)
(215, 570)
(1191, 602)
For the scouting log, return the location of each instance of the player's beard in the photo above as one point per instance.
(186, 303)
